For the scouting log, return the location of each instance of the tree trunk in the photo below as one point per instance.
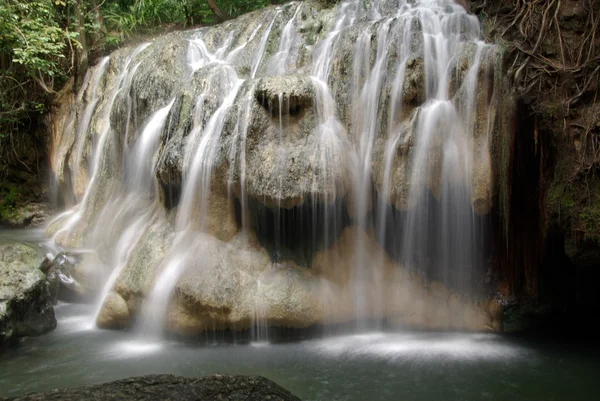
(217, 11)
(81, 53)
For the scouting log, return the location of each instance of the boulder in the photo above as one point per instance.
(25, 302)
(114, 312)
(161, 387)
(52, 278)
(138, 275)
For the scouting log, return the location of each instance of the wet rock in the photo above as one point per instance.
(295, 93)
(25, 303)
(297, 156)
(484, 121)
(413, 88)
(67, 277)
(525, 315)
(235, 285)
(155, 387)
(52, 280)
(136, 279)
(398, 152)
(225, 285)
(114, 312)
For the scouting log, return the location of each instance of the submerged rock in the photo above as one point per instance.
(25, 302)
(170, 387)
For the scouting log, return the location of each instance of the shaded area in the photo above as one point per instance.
(437, 257)
(549, 248)
(299, 232)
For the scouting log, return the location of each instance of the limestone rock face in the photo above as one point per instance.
(211, 388)
(287, 144)
(136, 279)
(25, 303)
(303, 110)
(227, 285)
(234, 285)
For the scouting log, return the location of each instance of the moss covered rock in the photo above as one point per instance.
(25, 303)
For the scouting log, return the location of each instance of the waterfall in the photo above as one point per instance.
(340, 156)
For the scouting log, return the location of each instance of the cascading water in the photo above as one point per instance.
(122, 83)
(251, 174)
(134, 207)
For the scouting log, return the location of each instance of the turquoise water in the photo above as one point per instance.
(407, 366)
(370, 366)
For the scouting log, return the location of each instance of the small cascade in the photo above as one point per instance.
(125, 244)
(191, 210)
(338, 157)
(368, 81)
(261, 47)
(282, 62)
(199, 159)
(260, 325)
(121, 84)
(84, 125)
(152, 322)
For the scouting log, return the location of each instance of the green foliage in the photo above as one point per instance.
(31, 34)
(576, 205)
(9, 199)
(43, 42)
(126, 17)
(238, 7)
(34, 43)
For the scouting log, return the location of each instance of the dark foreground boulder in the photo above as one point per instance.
(170, 387)
(25, 302)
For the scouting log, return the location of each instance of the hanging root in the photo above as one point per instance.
(547, 64)
(551, 62)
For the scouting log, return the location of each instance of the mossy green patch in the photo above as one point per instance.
(503, 139)
(590, 217)
(575, 205)
(9, 199)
